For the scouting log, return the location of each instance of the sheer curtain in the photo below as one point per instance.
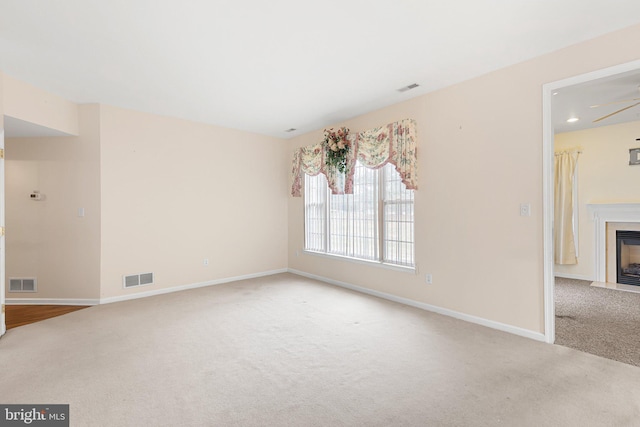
(564, 239)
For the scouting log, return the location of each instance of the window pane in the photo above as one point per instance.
(315, 223)
(339, 208)
(364, 220)
(353, 218)
(398, 232)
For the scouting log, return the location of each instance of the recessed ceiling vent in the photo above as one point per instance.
(137, 280)
(406, 88)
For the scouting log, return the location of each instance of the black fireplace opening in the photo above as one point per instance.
(628, 257)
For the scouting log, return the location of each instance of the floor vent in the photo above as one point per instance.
(23, 284)
(137, 280)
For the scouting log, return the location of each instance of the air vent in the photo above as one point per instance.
(137, 280)
(406, 88)
(23, 284)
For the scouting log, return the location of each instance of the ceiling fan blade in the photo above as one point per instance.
(614, 102)
(616, 112)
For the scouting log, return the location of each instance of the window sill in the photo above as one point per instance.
(378, 264)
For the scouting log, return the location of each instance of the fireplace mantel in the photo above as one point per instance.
(601, 214)
(631, 210)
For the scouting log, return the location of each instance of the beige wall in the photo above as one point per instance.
(46, 239)
(176, 192)
(1, 100)
(480, 156)
(604, 176)
(2, 297)
(160, 195)
(26, 102)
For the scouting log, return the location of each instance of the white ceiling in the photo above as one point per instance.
(579, 100)
(267, 66)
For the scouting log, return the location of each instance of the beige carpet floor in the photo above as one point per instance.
(289, 351)
(599, 321)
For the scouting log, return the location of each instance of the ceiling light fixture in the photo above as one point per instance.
(572, 120)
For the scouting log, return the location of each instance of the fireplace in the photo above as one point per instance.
(607, 218)
(628, 257)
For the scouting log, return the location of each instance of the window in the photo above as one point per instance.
(375, 223)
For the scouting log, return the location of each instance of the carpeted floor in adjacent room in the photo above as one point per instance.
(289, 351)
(600, 321)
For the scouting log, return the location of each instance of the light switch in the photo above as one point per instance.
(80, 212)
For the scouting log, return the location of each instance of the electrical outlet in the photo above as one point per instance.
(205, 261)
(429, 279)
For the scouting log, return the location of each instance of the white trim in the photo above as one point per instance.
(614, 210)
(575, 223)
(547, 181)
(51, 301)
(617, 287)
(547, 214)
(369, 262)
(76, 301)
(190, 286)
(574, 276)
(593, 75)
(601, 215)
(428, 307)
(3, 266)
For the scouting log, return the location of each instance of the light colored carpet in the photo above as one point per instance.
(599, 321)
(289, 351)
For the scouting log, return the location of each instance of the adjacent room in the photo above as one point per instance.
(303, 214)
(597, 138)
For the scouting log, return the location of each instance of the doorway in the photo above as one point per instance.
(34, 152)
(549, 128)
(3, 326)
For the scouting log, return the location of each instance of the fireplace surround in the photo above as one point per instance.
(604, 215)
(628, 257)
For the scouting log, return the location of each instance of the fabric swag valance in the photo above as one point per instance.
(394, 143)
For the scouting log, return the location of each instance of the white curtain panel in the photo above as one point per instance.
(564, 242)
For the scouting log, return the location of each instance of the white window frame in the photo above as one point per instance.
(405, 261)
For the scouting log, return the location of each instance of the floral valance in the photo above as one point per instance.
(394, 143)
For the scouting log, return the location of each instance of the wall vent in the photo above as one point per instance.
(406, 88)
(137, 280)
(23, 284)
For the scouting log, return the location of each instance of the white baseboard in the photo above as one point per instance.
(574, 276)
(190, 286)
(51, 301)
(428, 307)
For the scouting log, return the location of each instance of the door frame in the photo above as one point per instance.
(3, 325)
(547, 182)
